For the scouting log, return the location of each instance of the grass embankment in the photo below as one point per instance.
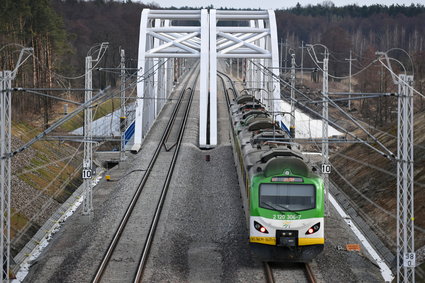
(51, 164)
(48, 172)
(99, 111)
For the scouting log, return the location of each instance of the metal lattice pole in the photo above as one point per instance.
(286, 53)
(88, 132)
(5, 169)
(292, 123)
(325, 127)
(302, 61)
(281, 54)
(88, 146)
(350, 60)
(123, 118)
(406, 257)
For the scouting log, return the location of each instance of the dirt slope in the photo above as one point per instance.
(375, 178)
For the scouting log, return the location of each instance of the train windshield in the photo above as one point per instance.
(287, 197)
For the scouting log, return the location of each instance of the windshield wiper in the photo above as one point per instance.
(287, 209)
(270, 206)
(278, 207)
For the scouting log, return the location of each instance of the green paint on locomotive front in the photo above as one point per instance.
(259, 179)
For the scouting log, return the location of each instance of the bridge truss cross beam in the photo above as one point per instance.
(182, 34)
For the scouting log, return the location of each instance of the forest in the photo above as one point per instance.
(62, 33)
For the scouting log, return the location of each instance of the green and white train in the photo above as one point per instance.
(282, 193)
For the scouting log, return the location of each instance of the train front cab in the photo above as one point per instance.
(286, 218)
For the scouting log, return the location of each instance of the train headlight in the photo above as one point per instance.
(260, 228)
(313, 229)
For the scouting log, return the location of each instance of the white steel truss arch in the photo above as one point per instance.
(163, 46)
(253, 39)
(212, 37)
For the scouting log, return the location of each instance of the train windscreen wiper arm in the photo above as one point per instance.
(268, 205)
(286, 209)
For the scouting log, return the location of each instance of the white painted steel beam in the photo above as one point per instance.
(244, 40)
(174, 17)
(245, 55)
(241, 12)
(167, 81)
(177, 29)
(178, 12)
(157, 85)
(246, 43)
(247, 51)
(213, 79)
(140, 83)
(250, 66)
(274, 63)
(263, 44)
(176, 42)
(204, 78)
(193, 42)
(243, 30)
(149, 90)
(172, 42)
(172, 55)
(243, 17)
(224, 42)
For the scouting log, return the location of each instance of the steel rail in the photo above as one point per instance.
(232, 88)
(268, 272)
(117, 235)
(155, 220)
(226, 93)
(309, 273)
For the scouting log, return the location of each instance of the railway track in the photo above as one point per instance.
(228, 87)
(128, 251)
(288, 272)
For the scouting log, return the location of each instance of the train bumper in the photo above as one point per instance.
(285, 254)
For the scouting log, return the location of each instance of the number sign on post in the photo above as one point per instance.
(409, 260)
(326, 168)
(87, 173)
